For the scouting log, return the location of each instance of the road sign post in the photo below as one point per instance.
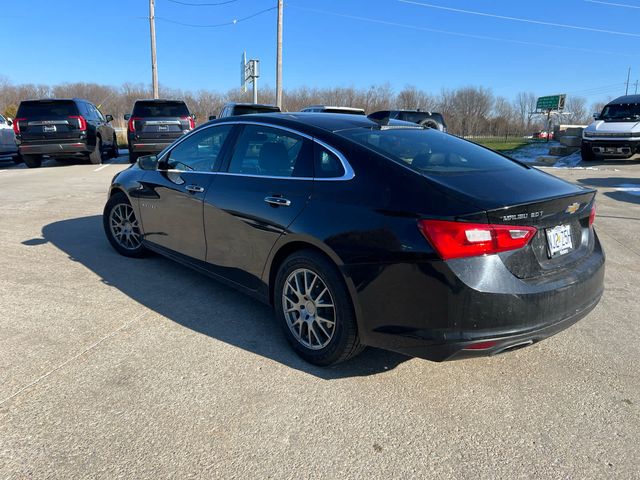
(549, 105)
(249, 72)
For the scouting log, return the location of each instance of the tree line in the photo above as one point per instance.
(468, 111)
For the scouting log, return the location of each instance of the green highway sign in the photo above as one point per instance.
(552, 102)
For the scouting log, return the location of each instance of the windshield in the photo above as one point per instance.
(160, 109)
(429, 151)
(621, 112)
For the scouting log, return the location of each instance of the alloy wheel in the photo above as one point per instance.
(124, 226)
(309, 309)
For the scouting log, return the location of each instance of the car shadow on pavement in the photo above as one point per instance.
(196, 301)
(625, 189)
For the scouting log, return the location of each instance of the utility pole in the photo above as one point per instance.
(279, 57)
(154, 65)
(626, 91)
(636, 92)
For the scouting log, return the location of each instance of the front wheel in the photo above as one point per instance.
(122, 227)
(587, 153)
(315, 310)
(114, 147)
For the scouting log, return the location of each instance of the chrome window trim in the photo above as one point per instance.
(349, 174)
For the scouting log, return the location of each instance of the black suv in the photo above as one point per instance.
(428, 119)
(232, 109)
(63, 128)
(154, 124)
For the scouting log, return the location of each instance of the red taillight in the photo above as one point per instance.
(16, 125)
(460, 239)
(592, 214)
(192, 122)
(131, 125)
(82, 123)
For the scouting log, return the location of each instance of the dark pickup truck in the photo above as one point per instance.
(154, 124)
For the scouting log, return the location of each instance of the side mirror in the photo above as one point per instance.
(212, 117)
(127, 116)
(193, 115)
(109, 118)
(9, 122)
(596, 116)
(148, 162)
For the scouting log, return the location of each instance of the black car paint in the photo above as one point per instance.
(405, 297)
(69, 142)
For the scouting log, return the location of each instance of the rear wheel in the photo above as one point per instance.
(95, 157)
(32, 161)
(122, 227)
(315, 310)
(17, 159)
(587, 153)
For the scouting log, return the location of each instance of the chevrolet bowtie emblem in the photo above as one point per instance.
(573, 208)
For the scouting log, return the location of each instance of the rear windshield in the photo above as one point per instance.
(429, 151)
(417, 117)
(621, 112)
(160, 109)
(248, 109)
(49, 109)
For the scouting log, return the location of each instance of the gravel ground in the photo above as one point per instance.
(120, 368)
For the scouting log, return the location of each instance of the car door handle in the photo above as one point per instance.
(194, 189)
(277, 201)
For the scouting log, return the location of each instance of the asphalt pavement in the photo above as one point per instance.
(140, 368)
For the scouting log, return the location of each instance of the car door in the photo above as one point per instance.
(106, 130)
(171, 198)
(265, 184)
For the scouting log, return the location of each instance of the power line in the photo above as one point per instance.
(625, 5)
(231, 22)
(517, 19)
(189, 4)
(460, 34)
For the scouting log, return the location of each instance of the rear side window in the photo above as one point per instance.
(47, 109)
(160, 109)
(327, 164)
(271, 152)
(429, 151)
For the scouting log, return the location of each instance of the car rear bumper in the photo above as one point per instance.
(441, 310)
(54, 149)
(155, 146)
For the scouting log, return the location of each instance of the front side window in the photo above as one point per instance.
(199, 152)
(271, 152)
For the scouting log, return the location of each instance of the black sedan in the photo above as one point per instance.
(363, 232)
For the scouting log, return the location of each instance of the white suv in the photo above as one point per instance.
(615, 133)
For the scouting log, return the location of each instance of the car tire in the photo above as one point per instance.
(122, 227)
(586, 153)
(17, 159)
(32, 161)
(133, 157)
(319, 325)
(95, 157)
(114, 147)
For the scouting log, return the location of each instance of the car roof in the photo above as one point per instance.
(331, 122)
(159, 100)
(55, 100)
(247, 104)
(625, 99)
(335, 107)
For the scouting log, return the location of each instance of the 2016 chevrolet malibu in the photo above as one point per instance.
(365, 233)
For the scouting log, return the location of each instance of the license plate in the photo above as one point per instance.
(559, 240)
(163, 128)
(48, 128)
(610, 150)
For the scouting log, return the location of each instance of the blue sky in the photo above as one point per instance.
(330, 43)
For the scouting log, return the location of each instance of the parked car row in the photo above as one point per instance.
(76, 128)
